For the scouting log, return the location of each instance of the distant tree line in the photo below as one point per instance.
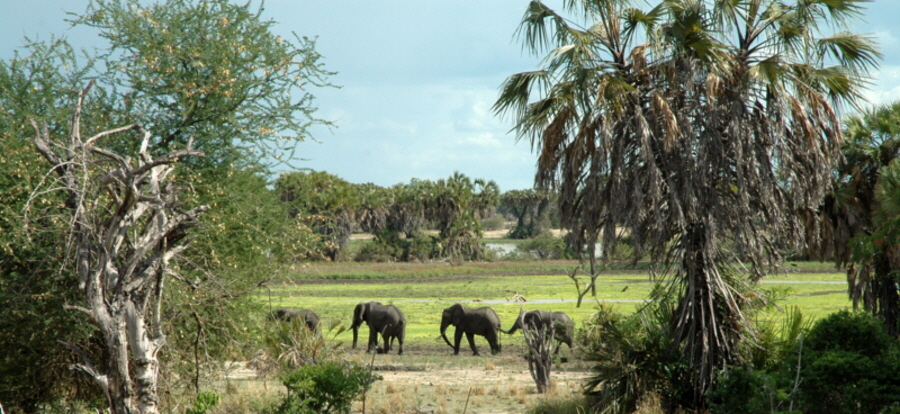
(420, 220)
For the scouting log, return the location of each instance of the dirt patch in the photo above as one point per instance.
(434, 384)
(475, 390)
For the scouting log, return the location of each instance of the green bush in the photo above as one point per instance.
(766, 383)
(545, 247)
(324, 388)
(635, 362)
(849, 364)
(376, 251)
(205, 401)
(390, 246)
(743, 390)
(495, 222)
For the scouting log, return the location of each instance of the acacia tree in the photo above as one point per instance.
(126, 225)
(701, 127)
(211, 70)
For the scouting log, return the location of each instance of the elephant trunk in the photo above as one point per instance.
(512, 330)
(444, 324)
(355, 328)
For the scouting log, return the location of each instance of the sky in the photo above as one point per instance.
(417, 80)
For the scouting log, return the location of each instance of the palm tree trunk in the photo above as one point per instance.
(884, 287)
(703, 328)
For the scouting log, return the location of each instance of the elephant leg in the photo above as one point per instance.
(457, 338)
(373, 340)
(558, 343)
(400, 344)
(493, 341)
(471, 337)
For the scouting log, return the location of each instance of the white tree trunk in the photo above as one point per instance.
(124, 235)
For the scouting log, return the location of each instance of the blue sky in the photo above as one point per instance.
(417, 80)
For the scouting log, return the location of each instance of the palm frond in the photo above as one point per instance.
(855, 51)
(517, 90)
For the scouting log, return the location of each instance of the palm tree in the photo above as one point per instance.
(855, 226)
(700, 126)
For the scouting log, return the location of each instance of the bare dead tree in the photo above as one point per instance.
(126, 226)
(539, 341)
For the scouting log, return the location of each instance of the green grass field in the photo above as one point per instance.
(422, 291)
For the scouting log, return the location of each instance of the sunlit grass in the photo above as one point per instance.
(423, 290)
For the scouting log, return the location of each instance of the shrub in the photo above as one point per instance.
(324, 388)
(375, 251)
(560, 405)
(495, 222)
(743, 390)
(766, 383)
(848, 365)
(634, 361)
(545, 246)
(388, 247)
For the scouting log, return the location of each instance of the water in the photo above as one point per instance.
(507, 248)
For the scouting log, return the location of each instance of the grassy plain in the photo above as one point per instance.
(423, 290)
(429, 379)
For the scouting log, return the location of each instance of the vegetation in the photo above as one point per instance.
(701, 128)
(531, 209)
(857, 223)
(175, 74)
(324, 388)
(842, 364)
(692, 143)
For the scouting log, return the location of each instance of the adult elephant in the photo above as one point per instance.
(470, 321)
(387, 320)
(564, 328)
(307, 316)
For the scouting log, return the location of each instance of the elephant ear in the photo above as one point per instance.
(457, 316)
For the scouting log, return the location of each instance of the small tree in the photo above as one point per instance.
(126, 226)
(539, 341)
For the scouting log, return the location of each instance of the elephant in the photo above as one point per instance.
(481, 321)
(307, 316)
(388, 320)
(563, 325)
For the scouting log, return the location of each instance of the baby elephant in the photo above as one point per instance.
(305, 315)
(563, 325)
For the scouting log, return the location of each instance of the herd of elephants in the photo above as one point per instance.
(390, 322)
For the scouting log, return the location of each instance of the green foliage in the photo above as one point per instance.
(635, 362)
(743, 390)
(325, 203)
(34, 287)
(849, 365)
(846, 361)
(545, 246)
(324, 388)
(389, 246)
(531, 209)
(210, 71)
(214, 71)
(205, 402)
